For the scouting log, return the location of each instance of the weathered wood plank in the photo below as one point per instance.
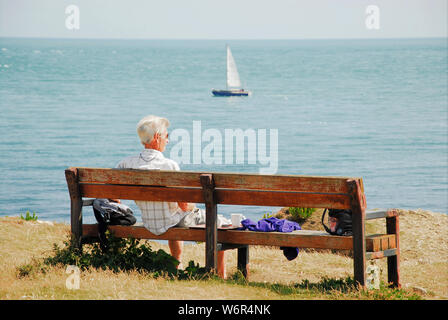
(139, 177)
(382, 213)
(299, 238)
(281, 182)
(140, 232)
(278, 198)
(294, 239)
(142, 193)
(223, 196)
(222, 180)
(380, 242)
(229, 246)
(381, 254)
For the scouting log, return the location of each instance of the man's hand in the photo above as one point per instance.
(185, 206)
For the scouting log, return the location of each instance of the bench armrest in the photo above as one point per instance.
(381, 213)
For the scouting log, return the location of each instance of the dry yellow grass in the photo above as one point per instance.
(424, 266)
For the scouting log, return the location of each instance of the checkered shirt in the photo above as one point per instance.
(157, 216)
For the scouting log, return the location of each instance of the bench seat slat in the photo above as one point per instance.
(298, 238)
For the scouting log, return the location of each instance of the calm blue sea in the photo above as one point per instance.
(370, 108)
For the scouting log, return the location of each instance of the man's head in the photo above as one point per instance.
(153, 132)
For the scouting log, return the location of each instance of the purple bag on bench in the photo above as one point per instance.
(274, 225)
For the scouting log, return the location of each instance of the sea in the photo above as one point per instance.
(370, 108)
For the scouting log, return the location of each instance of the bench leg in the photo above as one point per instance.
(76, 224)
(359, 250)
(358, 207)
(71, 176)
(393, 262)
(211, 230)
(243, 261)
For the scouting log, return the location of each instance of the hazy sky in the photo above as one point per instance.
(223, 19)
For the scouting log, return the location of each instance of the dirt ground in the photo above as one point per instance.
(423, 247)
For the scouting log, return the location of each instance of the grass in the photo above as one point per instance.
(27, 247)
(300, 214)
(334, 288)
(130, 257)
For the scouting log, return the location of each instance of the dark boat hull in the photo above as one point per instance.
(229, 93)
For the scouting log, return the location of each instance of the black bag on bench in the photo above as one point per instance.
(111, 213)
(343, 225)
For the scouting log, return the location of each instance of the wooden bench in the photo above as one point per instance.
(239, 189)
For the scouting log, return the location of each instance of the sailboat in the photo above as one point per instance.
(233, 80)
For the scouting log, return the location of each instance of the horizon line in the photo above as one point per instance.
(221, 39)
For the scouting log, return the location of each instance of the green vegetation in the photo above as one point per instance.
(300, 214)
(124, 254)
(29, 269)
(268, 215)
(28, 216)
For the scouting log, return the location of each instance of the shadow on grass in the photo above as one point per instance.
(325, 286)
(329, 288)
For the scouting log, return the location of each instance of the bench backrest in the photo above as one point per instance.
(229, 188)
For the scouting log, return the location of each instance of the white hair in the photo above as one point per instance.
(149, 126)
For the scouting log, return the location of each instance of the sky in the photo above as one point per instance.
(219, 19)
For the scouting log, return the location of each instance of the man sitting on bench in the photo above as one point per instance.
(158, 217)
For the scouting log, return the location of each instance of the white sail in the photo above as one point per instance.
(233, 79)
